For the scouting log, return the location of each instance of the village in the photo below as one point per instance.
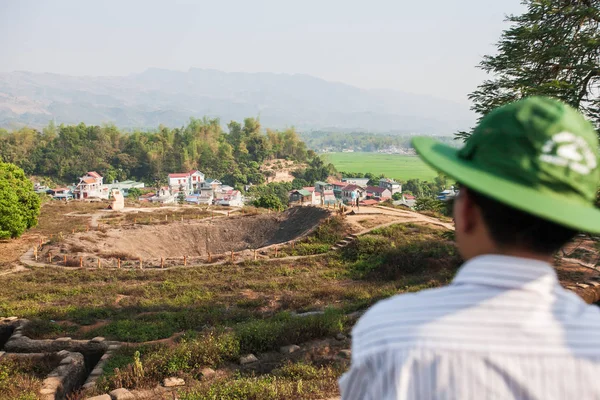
(194, 188)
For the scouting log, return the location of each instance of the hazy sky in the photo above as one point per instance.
(428, 47)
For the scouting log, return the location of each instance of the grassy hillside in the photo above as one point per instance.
(391, 165)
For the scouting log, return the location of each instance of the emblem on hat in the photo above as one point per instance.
(566, 149)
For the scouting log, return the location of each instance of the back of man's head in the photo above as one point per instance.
(512, 229)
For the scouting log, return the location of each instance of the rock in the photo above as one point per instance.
(248, 359)
(207, 372)
(345, 354)
(309, 313)
(10, 319)
(1, 353)
(583, 285)
(63, 339)
(122, 394)
(63, 353)
(355, 315)
(67, 360)
(340, 336)
(289, 349)
(172, 382)
(97, 339)
(101, 397)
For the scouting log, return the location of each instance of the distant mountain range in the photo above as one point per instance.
(158, 96)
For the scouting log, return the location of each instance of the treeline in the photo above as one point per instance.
(360, 141)
(66, 152)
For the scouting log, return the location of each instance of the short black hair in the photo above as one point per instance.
(514, 228)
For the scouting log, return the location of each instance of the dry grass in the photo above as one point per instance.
(52, 221)
(22, 378)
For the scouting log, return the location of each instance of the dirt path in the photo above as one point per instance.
(400, 216)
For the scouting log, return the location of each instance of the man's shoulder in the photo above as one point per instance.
(406, 312)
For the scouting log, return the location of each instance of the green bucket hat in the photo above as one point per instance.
(537, 155)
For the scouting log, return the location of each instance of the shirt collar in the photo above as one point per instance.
(508, 272)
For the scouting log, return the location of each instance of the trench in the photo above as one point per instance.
(6, 332)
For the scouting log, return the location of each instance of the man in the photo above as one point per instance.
(504, 328)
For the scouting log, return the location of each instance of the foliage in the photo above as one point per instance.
(397, 196)
(134, 193)
(291, 381)
(66, 152)
(553, 49)
(399, 250)
(317, 171)
(421, 189)
(181, 195)
(19, 204)
(269, 201)
(21, 379)
(278, 189)
(359, 141)
(330, 232)
(428, 204)
(283, 329)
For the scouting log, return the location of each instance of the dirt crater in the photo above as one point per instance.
(193, 238)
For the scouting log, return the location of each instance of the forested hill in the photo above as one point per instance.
(66, 152)
(158, 96)
(362, 141)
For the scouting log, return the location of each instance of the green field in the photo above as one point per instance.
(394, 166)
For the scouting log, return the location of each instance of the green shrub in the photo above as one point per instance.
(422, 257)
(306, 249)
(331, 232)
(135, 330)
(284, 329)
(292, 381)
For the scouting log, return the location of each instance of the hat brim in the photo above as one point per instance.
(555, 208)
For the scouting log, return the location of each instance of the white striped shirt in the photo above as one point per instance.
(503, 329)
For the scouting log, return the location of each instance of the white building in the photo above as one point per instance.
(191, 181)
(90, 186)
(391, 185)
(356, 181)
(232, 199)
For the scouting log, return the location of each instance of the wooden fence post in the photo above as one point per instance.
(276, 251)
(231, 255)
(65, 259)
(35, 253)
(99, 265)
(185, 261)
(50, 257)
(209, 257)
(80, 261)
(162, 262)
(135, 221)
(167, 217)
(118, 263)
(255, 255)
(182, 218)
(141, 265)
(73, 231)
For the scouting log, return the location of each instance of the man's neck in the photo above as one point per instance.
(521, 253)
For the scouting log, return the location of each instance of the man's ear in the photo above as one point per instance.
(470, 211)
